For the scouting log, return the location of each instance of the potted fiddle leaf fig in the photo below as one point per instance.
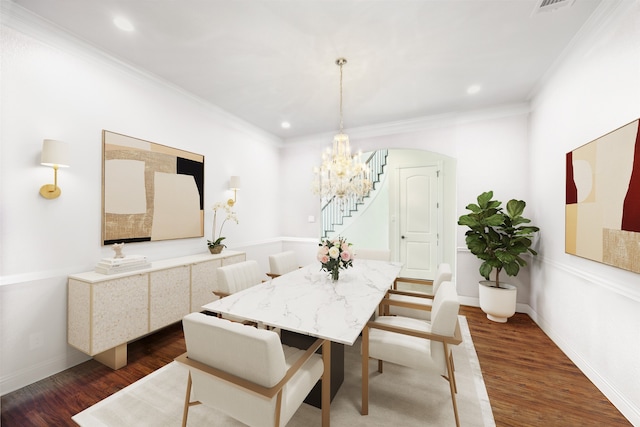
(498, 238)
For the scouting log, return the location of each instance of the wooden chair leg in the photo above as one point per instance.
(453, 373)
(380, 364)
(187, 398)
(452, 386)
(276, 421)
(364, 410)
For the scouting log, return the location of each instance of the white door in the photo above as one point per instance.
(418, 221)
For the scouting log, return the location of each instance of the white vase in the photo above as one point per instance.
(498, 303)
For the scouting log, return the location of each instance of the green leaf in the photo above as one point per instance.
(512, 269)
(494, 220)
(473, 207)
(485, 270)
(522, 262)
(484, 198)
(515, 208)
(505, 257)
(475, 245)
(528, 229)
(468, 220)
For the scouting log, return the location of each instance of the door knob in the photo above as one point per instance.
(402, 237)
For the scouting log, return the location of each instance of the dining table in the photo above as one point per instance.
(308, 303)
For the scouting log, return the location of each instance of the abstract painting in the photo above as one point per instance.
(149, 191)
(603, 199)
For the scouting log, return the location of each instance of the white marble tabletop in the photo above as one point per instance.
(308, 302)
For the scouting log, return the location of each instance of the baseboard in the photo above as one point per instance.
(17, 380)
(629, 410)
(475, 302)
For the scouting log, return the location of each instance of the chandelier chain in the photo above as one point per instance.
(341, 63)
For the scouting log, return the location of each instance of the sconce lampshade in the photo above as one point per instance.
(234, 183)
(55, 153)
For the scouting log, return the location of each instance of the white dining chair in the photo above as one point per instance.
(247, 373)
(443, 274)
(237, 277)
(282, 263)
(415, 343)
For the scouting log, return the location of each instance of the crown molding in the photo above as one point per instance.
(418, 124)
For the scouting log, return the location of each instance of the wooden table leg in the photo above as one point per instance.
(364, 410)
(326, 384)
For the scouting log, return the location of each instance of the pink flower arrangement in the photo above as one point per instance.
(335, 255)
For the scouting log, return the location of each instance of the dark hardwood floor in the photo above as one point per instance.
(530, 382)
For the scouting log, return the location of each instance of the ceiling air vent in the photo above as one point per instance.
(547, 5)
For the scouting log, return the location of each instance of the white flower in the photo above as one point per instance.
(229, 215)
(334, 252)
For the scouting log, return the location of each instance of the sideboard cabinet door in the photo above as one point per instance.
(204, 278)
(120, 311)
(168, 296)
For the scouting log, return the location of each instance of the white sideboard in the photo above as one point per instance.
(105, 312)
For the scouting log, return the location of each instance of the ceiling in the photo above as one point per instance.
(269, 61)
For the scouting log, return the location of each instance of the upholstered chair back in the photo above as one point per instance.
(444, 317)
(443, 274)
(237, 277)
(283, 263)
(252, 354)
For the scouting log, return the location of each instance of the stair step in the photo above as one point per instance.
(378, 158)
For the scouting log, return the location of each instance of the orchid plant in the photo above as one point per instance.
(229, 215)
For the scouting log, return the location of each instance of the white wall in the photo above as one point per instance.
(592, 311)
(60, 90)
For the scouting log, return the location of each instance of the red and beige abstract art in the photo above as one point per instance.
(150, 191)
(603, 199)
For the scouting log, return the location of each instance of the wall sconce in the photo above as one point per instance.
(234, 184)
(54, 154)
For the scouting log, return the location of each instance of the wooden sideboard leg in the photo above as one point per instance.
(115, 358)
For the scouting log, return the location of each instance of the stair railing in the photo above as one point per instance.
(335, 210)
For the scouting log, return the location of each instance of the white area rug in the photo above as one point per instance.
(398, 397)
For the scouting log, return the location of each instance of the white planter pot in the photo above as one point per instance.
(498, 303)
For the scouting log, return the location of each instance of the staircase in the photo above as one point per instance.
(334, 213)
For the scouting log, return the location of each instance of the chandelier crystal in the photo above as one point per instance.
(341, 176)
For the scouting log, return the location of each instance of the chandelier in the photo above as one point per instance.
(341, 176)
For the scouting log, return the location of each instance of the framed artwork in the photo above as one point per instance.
(602, 213)
(149, 191)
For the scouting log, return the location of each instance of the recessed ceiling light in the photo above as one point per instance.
(123, 23)
(285, 125)
(473, 89)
